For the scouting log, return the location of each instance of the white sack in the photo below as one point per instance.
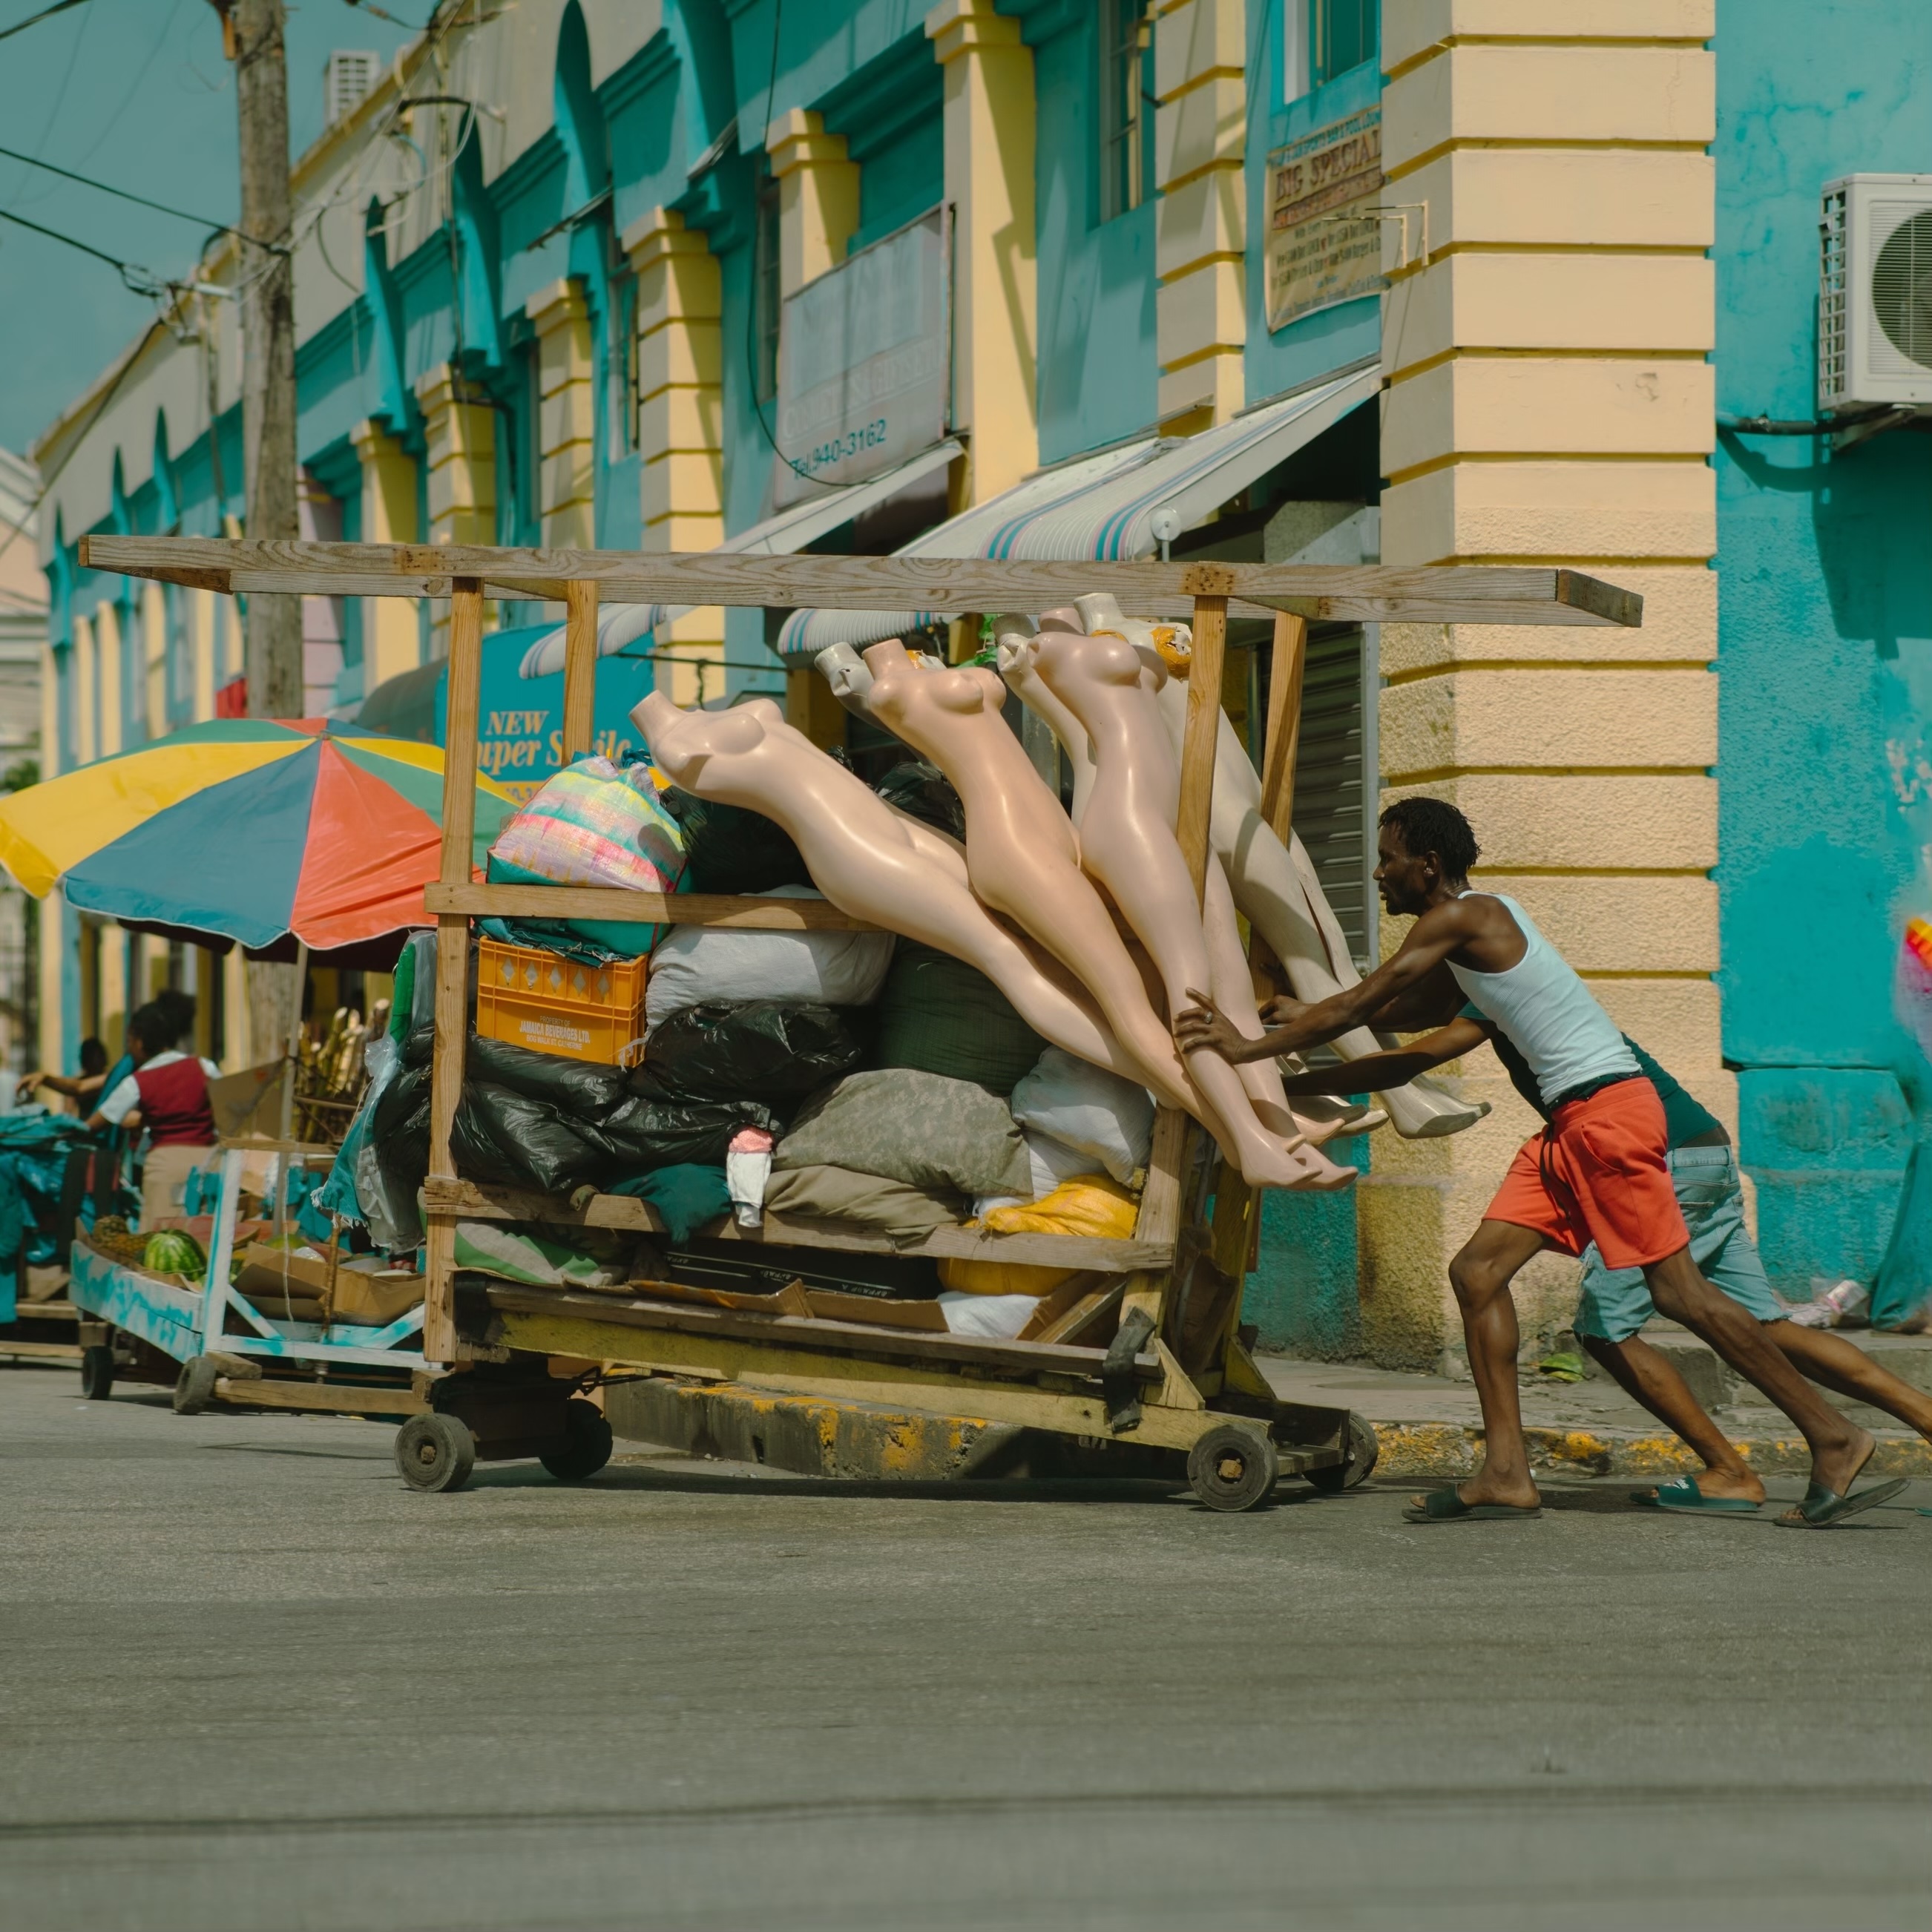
(695, 962)
(1094, 1112)
(997, 1317)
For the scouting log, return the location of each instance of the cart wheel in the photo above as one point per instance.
(1363, 1447)
(435, 1452)
(96, 1372)
(1231, 1468)
(586, 1444)
(194, 1387)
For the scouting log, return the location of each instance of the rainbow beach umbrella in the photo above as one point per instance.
(253, 829)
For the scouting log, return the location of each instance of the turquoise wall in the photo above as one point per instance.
(1824, 600)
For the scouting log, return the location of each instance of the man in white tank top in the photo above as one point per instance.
(1598, 1173)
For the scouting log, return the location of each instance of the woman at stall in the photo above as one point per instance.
(166, 1094)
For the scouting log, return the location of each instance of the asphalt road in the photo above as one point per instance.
(250, 1682)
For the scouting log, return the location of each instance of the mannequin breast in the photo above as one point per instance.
(1100, 680)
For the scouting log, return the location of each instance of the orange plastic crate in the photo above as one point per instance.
(552, 1004)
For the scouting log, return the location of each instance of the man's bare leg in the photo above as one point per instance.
(1839, 1449)
(1481, 1275)
(1649, 1376)
(1847, 1370)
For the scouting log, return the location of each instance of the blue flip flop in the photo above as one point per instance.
(1682, 1497)
(1822, 1508)
(1446, 1506)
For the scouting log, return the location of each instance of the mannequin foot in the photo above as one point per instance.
(1275, 1164)
(1422, 1111)
(1320, 1175)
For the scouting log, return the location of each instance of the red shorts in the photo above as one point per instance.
(1600, 1173)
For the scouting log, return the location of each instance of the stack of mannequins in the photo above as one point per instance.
(1088, 923)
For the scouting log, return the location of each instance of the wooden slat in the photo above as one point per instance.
(452, 952)
(1365, 593)
(466, 1198)
(317, 1398)
(579, 666)
(1289, 664)
(838, 1338)
(749, 914)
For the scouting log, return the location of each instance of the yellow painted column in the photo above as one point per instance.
(1200, 222)
(55, 922)
(115, 1006)
(818, 197)
(391, 634)
(681, 418)
(107, 679)
(1550, 401)
(459, 482)
(198, 613)
(154, 651)
(989, 182)
(566, 426)
(85, 745)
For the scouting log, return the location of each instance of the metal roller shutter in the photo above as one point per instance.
(1330, 810)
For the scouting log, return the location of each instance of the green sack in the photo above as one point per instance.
(937, 1014)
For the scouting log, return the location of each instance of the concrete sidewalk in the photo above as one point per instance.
(1432, 1426)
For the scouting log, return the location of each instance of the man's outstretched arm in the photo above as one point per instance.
(1378, 1072)
(1436, 934)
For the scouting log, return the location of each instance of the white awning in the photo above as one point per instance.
(1120, 505)
(789, 531)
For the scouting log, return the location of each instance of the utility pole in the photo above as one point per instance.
(251, 38)
(251, 31)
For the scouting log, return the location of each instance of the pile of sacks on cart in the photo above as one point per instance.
(851, 1078)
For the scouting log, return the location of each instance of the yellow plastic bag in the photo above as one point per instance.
(965, 1277)
(1089, 1204)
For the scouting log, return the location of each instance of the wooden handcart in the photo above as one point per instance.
(1148, 1351)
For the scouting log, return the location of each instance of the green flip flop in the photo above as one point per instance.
(1822, 1508)
(1683, 1497)
(1446, 1506)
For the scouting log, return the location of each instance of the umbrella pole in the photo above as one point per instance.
(291, 1046)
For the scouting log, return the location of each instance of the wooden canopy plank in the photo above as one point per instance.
(1357, 593)
(747, 914)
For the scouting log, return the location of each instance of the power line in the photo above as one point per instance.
(141, 281)
(139, 200)
(34, 19)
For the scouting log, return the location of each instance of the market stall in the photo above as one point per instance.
(1140, 1343)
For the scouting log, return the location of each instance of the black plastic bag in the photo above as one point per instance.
(502, 1135)
(728, 849)
(578, 1089)
(773, 1051)
(922, 791)
(646, 1133)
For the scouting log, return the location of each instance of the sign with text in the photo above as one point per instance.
(864, 361)
(1323, 245)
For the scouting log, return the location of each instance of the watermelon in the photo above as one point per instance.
(170, 1252)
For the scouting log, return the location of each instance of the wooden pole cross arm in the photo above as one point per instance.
(1365, 593)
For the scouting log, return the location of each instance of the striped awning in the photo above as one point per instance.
(783, 535)
(1117, 505)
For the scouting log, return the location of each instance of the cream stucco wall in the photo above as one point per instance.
(1549, 399)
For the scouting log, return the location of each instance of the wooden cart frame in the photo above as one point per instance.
(1216, 1409)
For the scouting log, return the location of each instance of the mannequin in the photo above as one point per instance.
(1277, 889)
(868, 860)
(1022, 858)
(1126, 843)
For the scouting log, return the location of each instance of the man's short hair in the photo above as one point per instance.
(1434, 825)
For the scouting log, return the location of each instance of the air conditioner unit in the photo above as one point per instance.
(346, 82)
(1875, 293)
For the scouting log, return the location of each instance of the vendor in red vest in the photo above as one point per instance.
(167, 1094)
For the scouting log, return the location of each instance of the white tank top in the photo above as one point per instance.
(1550, 1014)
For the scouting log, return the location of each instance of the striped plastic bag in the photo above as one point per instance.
(594, 824)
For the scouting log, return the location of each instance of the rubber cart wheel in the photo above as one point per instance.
(97, 1373)
(586, 1447)
(1363, 1447)
(1231, 1468)
(194, 1387)
(435, 1452)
